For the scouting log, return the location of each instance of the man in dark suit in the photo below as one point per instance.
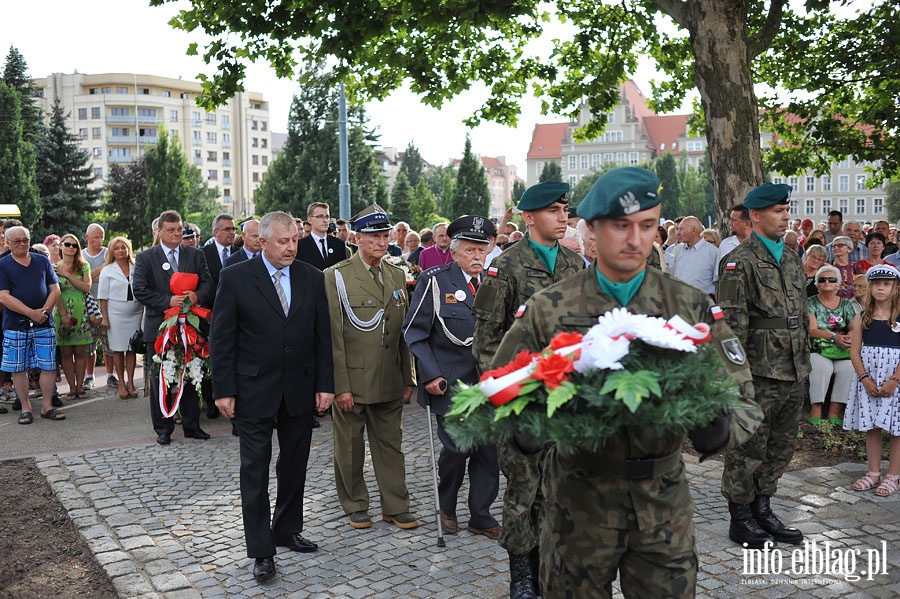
(219, 250)
(277, 306)
(250, 247)
(319, 248)
(438, 331)
(152, 271)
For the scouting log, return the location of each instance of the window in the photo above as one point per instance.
(793, 207)
(845, 163)
(184, 95)
(212, 156)
(826, 205)
(211, 137)
(198, 138)
(98, 173)
(121, 90)
(104, 90)
(794, 182)
(151, 112)
(633, 158)
(595, 161)
(212, 174)
(98, 152)
(256, 177)
(144, 91)
(573, 180)
(96, 132)
(82, 133)
(198, 155)
(92, 91)
(227, 193)
(118, 112)
(810, 206)
(254, 125)
(120, 152)
(254, 160)
(82, 114)
(585, 160)
(860, 182)
(844, 183)
(810, 184)
(210, 118)
(263, 126)
(611, 118)
(777, 180)
(539, 168)
(878, 206)
(95, 112)
(195, 116)
(860, 205)
(166, 93)
(694, 146)
(254, 142)
(265, 162)
(149, 132)
(173, 116)
(662, 146)
(607, 158)
(826, 183)
(620, 157)
(573, 162)
(119, 131)
(226, 121)
(613, 136)
(264, 142)
(844, 205)
(226, 174)
(226, 140)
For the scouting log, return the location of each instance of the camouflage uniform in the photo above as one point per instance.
(519, 274)
(765, 305)
(598, 519)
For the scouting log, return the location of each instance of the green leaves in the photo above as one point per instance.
(631, 388)
(467, 400)
(515, 406)
(560, 396)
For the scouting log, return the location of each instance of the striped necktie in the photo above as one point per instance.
(279, 290)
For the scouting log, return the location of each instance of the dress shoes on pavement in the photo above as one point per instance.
(360, 519)
(404, 520)
(264, 569)
(212, 412)
(297, 543)
(196, 433)
(449, 524)
(492, 532)
(164, 439)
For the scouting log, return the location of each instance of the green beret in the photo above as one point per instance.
(620, 192)
(767, 194)
(543, 194)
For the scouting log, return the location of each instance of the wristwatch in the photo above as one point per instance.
(833, 335)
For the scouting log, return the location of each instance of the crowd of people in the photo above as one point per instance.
(354, 318)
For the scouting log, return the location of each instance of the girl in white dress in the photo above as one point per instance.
(874, 402)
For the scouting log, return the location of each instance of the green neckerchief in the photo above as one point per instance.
(547, 255)
(621, 292)
(776, 248)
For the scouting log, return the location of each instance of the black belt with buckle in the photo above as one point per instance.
(791, 322)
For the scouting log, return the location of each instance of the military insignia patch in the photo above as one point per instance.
(492, 271)
(717, 313)
(629, 203)
(520, 311)
(733, 351)
(730, 265)
(449, 298)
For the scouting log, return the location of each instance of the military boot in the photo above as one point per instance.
(744, 528)
(521, 583)
(769, 522)
(534, 560)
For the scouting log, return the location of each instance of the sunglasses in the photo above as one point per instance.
(827, 280)
(69, 244)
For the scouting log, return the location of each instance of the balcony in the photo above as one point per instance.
(127, 119)
(226, 144)
(226, 181)
(121, 140)
(226, 199)
(198, 161)
(119, 159)
(197, 123)
(131, 119)
(226, 162)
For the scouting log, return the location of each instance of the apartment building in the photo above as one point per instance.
(636, 135)
(118, 117)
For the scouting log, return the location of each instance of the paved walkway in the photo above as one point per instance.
(165, 522)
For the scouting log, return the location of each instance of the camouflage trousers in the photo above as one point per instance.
(523, 502)
(580, 559)
(755, 467)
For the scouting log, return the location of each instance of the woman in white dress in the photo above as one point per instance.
(122, 313)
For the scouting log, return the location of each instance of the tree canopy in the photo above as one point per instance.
(722, 48)
(552, 171)
(471, 195)
(17, 160)
(168, 187)
(126, 201)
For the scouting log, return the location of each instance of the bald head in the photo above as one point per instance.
(691, 230)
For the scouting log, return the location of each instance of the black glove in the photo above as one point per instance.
(526, 445)
(712, 437)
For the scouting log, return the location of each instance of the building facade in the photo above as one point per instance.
(635, 135)
(500, 179)
(118, 117)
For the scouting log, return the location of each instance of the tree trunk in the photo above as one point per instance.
(718, 31)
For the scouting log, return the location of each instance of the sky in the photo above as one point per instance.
(109, 36)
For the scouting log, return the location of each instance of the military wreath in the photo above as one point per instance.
(628, 370)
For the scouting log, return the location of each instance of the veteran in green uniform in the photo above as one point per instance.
(626, 508)
(762, 292)
(373, 374)
(532, 264)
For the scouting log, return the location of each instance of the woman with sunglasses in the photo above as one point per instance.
(73, 327)
(829, 332)
(842, 246)
(122, 313)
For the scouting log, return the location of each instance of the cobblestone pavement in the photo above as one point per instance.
(165, 522)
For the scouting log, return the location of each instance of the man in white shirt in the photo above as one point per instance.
(95, 254)
(696, 263)
(741, 227)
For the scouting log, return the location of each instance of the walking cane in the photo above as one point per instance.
(437, 502)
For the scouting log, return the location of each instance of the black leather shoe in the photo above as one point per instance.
(744, 530)
(234, 431)
(196, 433)
(164, 439)
(316, 423)
(769, 522)
(297, 543)
(264, 569)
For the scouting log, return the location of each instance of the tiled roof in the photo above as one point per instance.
(664, 131)
(546, 141)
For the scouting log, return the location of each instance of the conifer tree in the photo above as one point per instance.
(551, 172)
(17, 160)
(15, 74)
(412, 164)
(471, 195)
(401, 199)
(126, 201)
(424, 207)
(168, 187)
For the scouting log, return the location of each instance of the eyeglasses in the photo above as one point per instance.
(827, 280)
(26, 240)
(69, 244)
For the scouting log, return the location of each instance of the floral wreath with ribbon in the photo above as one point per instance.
(628, 370)
(182, 347)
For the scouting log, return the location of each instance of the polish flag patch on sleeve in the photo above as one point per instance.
(717, 313)
(730, 265)
(492, 271)
(520, 311)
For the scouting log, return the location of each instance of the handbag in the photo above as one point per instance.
(92, 309)
(137, 344)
